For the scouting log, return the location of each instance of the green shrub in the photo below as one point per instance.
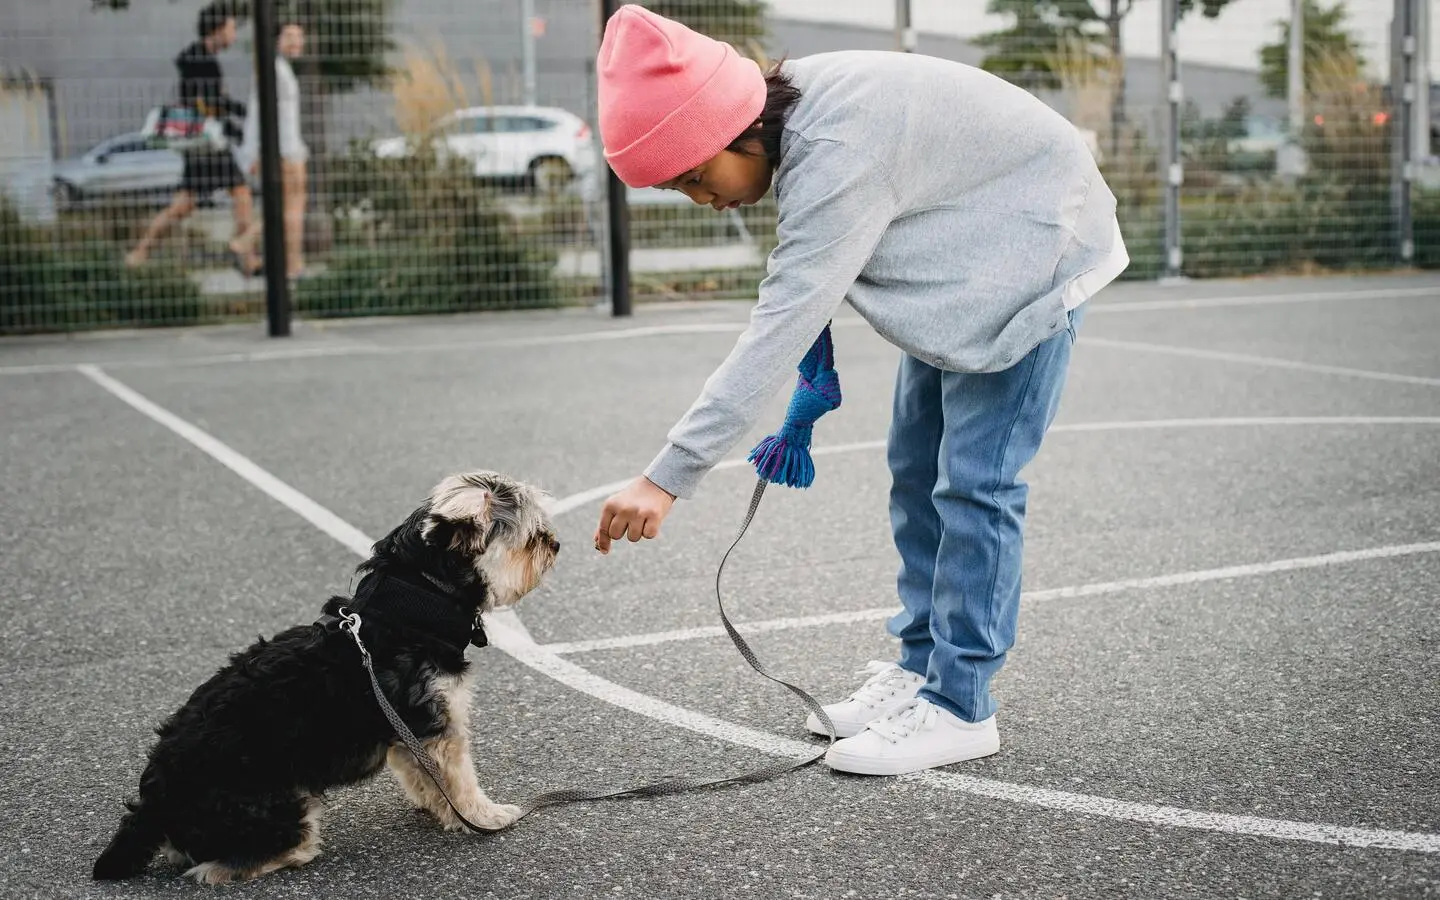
(1270, 228)
(1427, 230)
(416, 235)
(50, 284)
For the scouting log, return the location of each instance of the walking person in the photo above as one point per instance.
(207, 169)
(289, 45)
(968, 224)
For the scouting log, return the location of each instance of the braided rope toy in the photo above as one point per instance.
(784, 457)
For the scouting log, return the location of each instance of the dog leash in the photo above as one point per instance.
(350, 622)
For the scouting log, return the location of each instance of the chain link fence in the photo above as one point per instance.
(446, 158)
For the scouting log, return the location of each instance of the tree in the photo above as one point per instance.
(1021, 54)
(1043, 26)
(1325, 37)
(738, 22)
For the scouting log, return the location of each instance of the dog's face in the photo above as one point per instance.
(500, 528)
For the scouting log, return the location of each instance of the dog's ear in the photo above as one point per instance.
(460, 515)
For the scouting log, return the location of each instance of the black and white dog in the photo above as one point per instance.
(234, 787)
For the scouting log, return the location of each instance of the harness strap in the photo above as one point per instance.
(677, 785)
(402, 603)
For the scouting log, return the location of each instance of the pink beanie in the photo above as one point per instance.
(670, 98)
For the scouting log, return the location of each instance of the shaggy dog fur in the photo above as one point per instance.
(235, 785)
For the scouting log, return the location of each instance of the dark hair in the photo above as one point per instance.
(763, 139)
(284, 22)
(211, 19)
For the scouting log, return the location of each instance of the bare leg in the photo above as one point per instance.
(247, 228)
(179, 209)
(294, 173)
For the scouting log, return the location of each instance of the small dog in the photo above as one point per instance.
(235, 784)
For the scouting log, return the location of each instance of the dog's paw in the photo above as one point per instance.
(496, 815)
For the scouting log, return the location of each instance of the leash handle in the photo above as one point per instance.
(677, 785)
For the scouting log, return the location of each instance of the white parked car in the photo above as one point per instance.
(544, 146)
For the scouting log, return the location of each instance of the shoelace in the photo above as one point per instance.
(907, 720)
(886, 678)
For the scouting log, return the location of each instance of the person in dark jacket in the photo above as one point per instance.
(202, 87)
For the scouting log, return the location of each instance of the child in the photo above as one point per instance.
(967, 223)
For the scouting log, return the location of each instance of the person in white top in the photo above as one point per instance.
(290, 43)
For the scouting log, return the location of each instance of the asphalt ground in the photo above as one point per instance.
(1226, 682)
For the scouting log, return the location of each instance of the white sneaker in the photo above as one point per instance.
(920, 736)
(889, 688)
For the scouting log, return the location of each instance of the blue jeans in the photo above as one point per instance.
(957, 509)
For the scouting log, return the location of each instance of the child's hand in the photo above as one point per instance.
(634, 512)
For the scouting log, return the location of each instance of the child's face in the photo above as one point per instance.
(725, 181)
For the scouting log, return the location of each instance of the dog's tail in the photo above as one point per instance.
(132, 848)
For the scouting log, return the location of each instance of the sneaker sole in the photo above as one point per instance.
(842, 730)
(864, 765)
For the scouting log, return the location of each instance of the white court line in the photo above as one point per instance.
(1271, 361)
(312, 512)
(1175, 817)
(1122, 306)
(289, 353)
(507, 636)
(1198, 576)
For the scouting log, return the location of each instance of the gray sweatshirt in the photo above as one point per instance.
(949, 207)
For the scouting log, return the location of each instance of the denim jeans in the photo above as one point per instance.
(958, 442)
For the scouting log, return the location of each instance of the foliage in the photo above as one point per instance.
(418, 234)
(738, 22)
(1325, 37)
(346, 40)
(55, 283)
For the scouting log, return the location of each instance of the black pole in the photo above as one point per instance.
(617, 214)
(277, 288)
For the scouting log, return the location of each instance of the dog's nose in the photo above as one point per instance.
(554, 545)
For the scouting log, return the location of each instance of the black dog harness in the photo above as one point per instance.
(415, 605)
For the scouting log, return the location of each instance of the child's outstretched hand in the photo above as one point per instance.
(634, 512)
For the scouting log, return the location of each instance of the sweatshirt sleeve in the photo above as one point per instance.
(835, 204)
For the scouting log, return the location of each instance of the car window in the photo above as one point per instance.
(521, 124)
(127, 144)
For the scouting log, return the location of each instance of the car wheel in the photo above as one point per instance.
(550, 174)
(67, 195)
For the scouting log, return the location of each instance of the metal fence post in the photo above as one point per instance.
(527, 48)
(905, 34)
(1402, 121)
(617, 214)
(1295, 73)
(277, 287)
(1172, 172)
